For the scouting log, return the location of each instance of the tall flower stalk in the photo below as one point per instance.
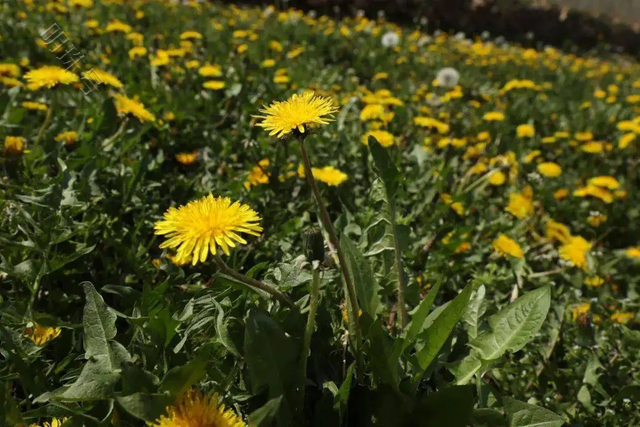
(295, 115)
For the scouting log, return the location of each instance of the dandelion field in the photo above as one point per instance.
(223, 216)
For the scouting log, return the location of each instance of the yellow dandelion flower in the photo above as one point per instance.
(580, 310)
(280, 79)
(14, 145)
(210, 70)
(593, 147)
(633, 252)
(521, 204)
(622, 317)
(604, 181)
(41, 335)
(10, 81)
(372, 112)
(595, 219)
(257, 175)
(493, 116)
(385, 138)
(594, 281)
(9, 70)
(526, 131)
(548, 139)
(118, 26)
(200, 226)
(550, 169)
(107, 78)
(214, 85)
(280, 118)
(504, 245)
(497, 178)
(557, 231)
(49, 76)
(137, 52)
(268, 63)
(55, 422)
(626, 139)
(575, 251)
(583, 136)
(594, 191)
(429, 122)
(92, 23)
(188, 35)
(187, 158)
(69, 137)
(35, 106)
(532, 155)
(196, 409)
(126, 105)
(329, 175)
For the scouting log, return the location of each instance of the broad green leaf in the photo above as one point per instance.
(420, 314)
(437, 334)
(99, 323)
(465, 370)
(472, 316)
(363, 278)
(522, 414)
(383, 359)
(96, 381)
(341, 399)
(386, 167)
(515, 325)
(264, 416)
(145, 406)
(451, 407)
(179, 379)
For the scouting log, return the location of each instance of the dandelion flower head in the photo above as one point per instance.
(200, 226)
(198, 410)
(280, 118)
(49, 76)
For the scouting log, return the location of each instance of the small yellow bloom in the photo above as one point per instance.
(549, 140)
(41, 335)
(189, 35)
(14, 145)
(595, 219)
(281, 118)
(497, 178)
(137, 52)
(329, 175)
(593, 147)
(187, 158)
(268, 63)
(200, 226)
(504, 245)
(531, 156)
(9, 70)
(575, 251)
(126, 105)
(213, 85)
(634, 251)
(210, 71)
(48, 77)
(622, 317)
(592, 190)
(194, 409)
(521, 204)
(118, 26)
(604, 181)
(561, 194)
(581, 310)
(594, 281)
(69, 137)
(258, 175)
(626, 139)
(550, 169)
(583, 136)
(35, 106)
(385, 138)
(106, 78)
(557, 231)
(493, 116)
(526, 131)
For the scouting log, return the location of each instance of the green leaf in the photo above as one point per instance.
(465, 370)
(270, 355)
(365, 283)
(145, 406)
(386, 167)
(99, 323)
(264, 416)
(96, 381)
(437, 334)
(383, 358)
(179, 379)
(420, 314)
(451, 407)
(515, 325)
(341, 399)
(522, 414)
(472, 316)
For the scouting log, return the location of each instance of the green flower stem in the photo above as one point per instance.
(333, 239)
(252, 282)
(402, 308)
(314, 298)
(109, 141)
(47, 119)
